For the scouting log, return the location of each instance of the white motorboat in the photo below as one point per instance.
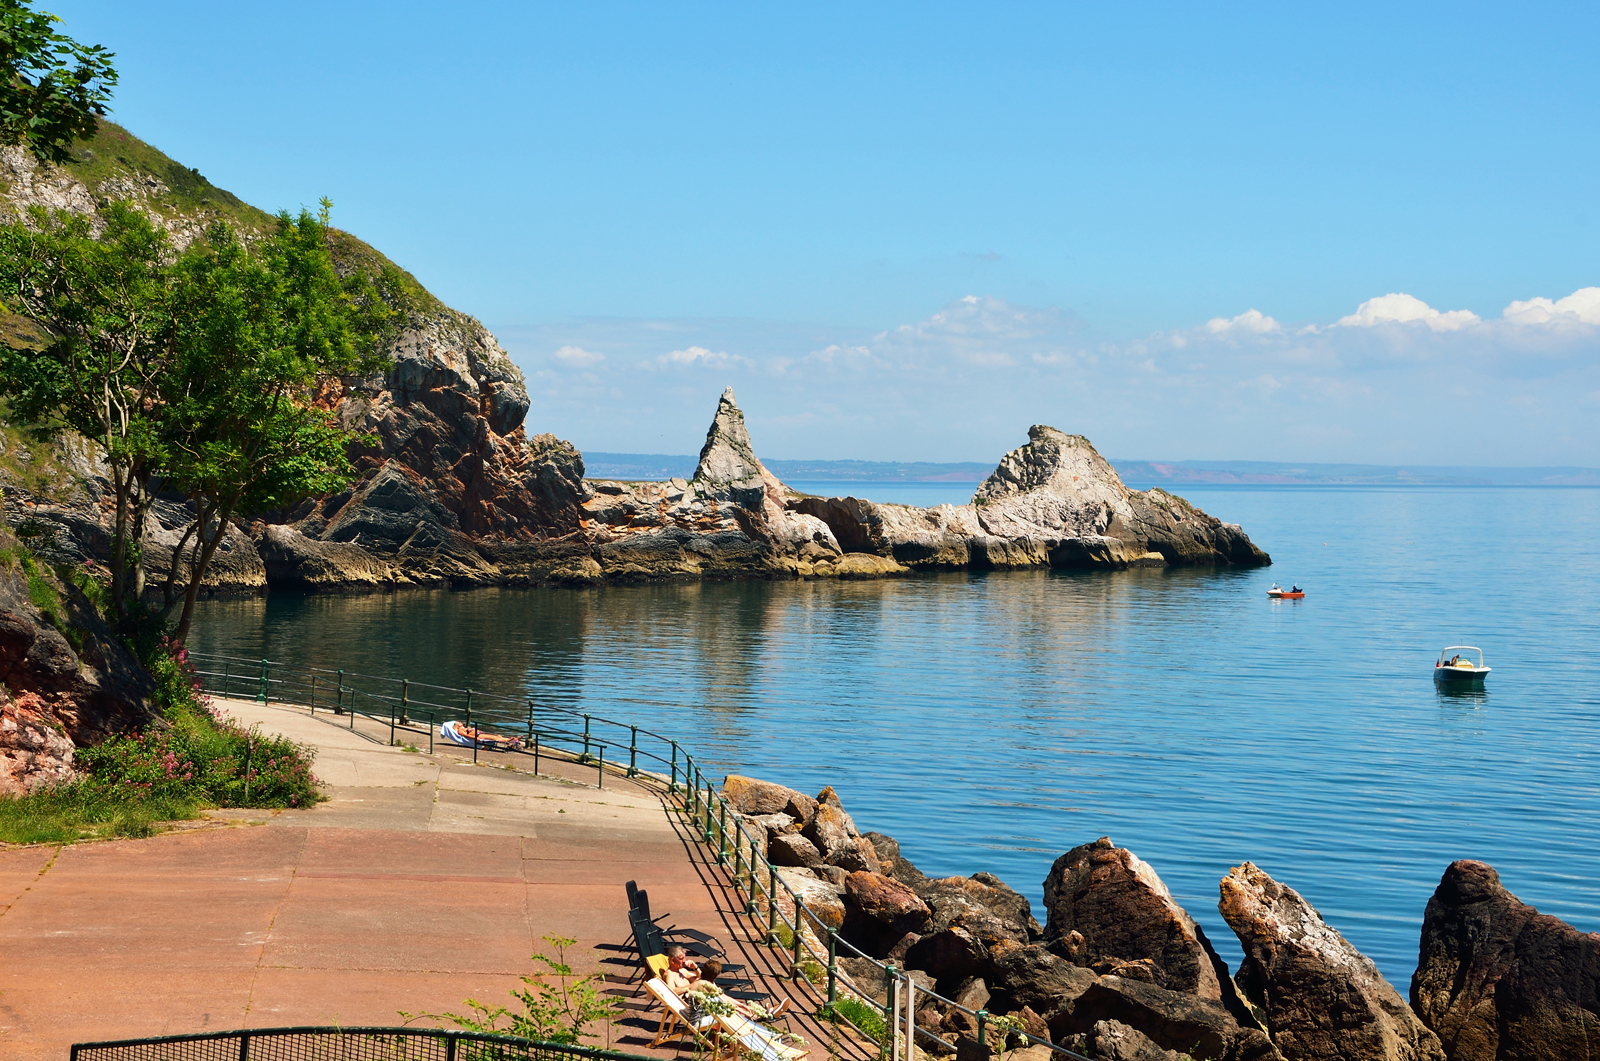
(1454, 666)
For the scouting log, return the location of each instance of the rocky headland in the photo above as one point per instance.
(1120, 971)
(458, 493)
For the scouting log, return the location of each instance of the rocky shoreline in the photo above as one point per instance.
(1119, 971)
(523, 514)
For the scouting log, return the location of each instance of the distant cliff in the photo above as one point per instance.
(457, 493)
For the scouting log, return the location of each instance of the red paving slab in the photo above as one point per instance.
(316, 919)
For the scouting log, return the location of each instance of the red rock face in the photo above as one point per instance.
(53, 698)
(1108, 911)
(1499, 981)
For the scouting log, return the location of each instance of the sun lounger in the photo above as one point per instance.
(675, 1019)
(765, 1043)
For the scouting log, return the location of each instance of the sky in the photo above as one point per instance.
(908, 231)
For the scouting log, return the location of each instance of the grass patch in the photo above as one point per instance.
(867, 1019)
(84, 810)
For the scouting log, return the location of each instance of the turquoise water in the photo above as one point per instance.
(992, 721)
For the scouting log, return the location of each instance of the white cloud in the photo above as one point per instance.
(699, 355)
(1250, 321)
(1399, 308)
(1580, 307)
(577, 356)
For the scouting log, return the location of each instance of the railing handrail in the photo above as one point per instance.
(699, 799)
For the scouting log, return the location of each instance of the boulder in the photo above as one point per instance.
(1173, 1020)
(1498, 980)
(879, 911)
(1107, 908)
(1111, 1040)
(1031, 976)
(892, 864)
(820, 897)
(792, 849)
(829, 830)
(831, 798)
(752, 796)
(1321, 999)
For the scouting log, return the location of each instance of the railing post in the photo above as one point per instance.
(772, 904)
(391, 724)
(983, 1027)
(449, 1046)
(244, 1047)
(672, 783)
(891, 1007)
(601, 783)
(633, 751)
(833, 966)
(405, 699)
(530, 732)
(338, 705)
(722, 832)
(225, 666)
(535, 755)
(585, 739)
(313, 696)
(799, 933)
(261, 697)
(469, 726)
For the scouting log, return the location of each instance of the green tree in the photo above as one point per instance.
(53, 90)
(105, 306)
(260, 326)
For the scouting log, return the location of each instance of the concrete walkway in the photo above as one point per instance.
(424, 880)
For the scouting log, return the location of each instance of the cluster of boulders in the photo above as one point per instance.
(1120, 971)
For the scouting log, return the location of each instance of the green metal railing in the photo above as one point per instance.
(401, 704)
(341, 1044)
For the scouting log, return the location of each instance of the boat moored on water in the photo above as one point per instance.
(1277, 592)
(1453, 666)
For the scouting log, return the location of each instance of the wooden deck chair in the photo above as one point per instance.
(675, 1020)
(764, 1043)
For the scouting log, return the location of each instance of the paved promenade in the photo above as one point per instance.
(424, 881)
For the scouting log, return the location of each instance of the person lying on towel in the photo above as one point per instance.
(458, 733)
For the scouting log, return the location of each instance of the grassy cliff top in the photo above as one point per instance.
(115, 164)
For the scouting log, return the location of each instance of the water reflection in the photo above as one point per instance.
(991, 721)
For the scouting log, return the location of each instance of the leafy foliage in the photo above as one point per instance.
(197, 369)
(551, 1013)
(106, 301)
(52, 89)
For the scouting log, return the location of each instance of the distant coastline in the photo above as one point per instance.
(661, 466)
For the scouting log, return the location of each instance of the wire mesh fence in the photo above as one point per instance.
(341, 1044)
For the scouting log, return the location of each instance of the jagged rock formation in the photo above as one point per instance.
(1321, 999)
(1119, 970)
(65, 682)
(457, 493)
(1499, 981)
(1053, 502)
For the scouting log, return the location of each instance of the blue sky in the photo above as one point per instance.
(909, 231)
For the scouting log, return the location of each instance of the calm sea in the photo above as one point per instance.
(992, 721)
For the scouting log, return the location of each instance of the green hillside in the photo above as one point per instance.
(115, 164)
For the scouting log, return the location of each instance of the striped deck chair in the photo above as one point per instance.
(764, 1043)
(675, 1020)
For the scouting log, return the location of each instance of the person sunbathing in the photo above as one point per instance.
(706, 983)
(681, 974)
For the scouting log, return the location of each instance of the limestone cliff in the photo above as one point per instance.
(1053, 502)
